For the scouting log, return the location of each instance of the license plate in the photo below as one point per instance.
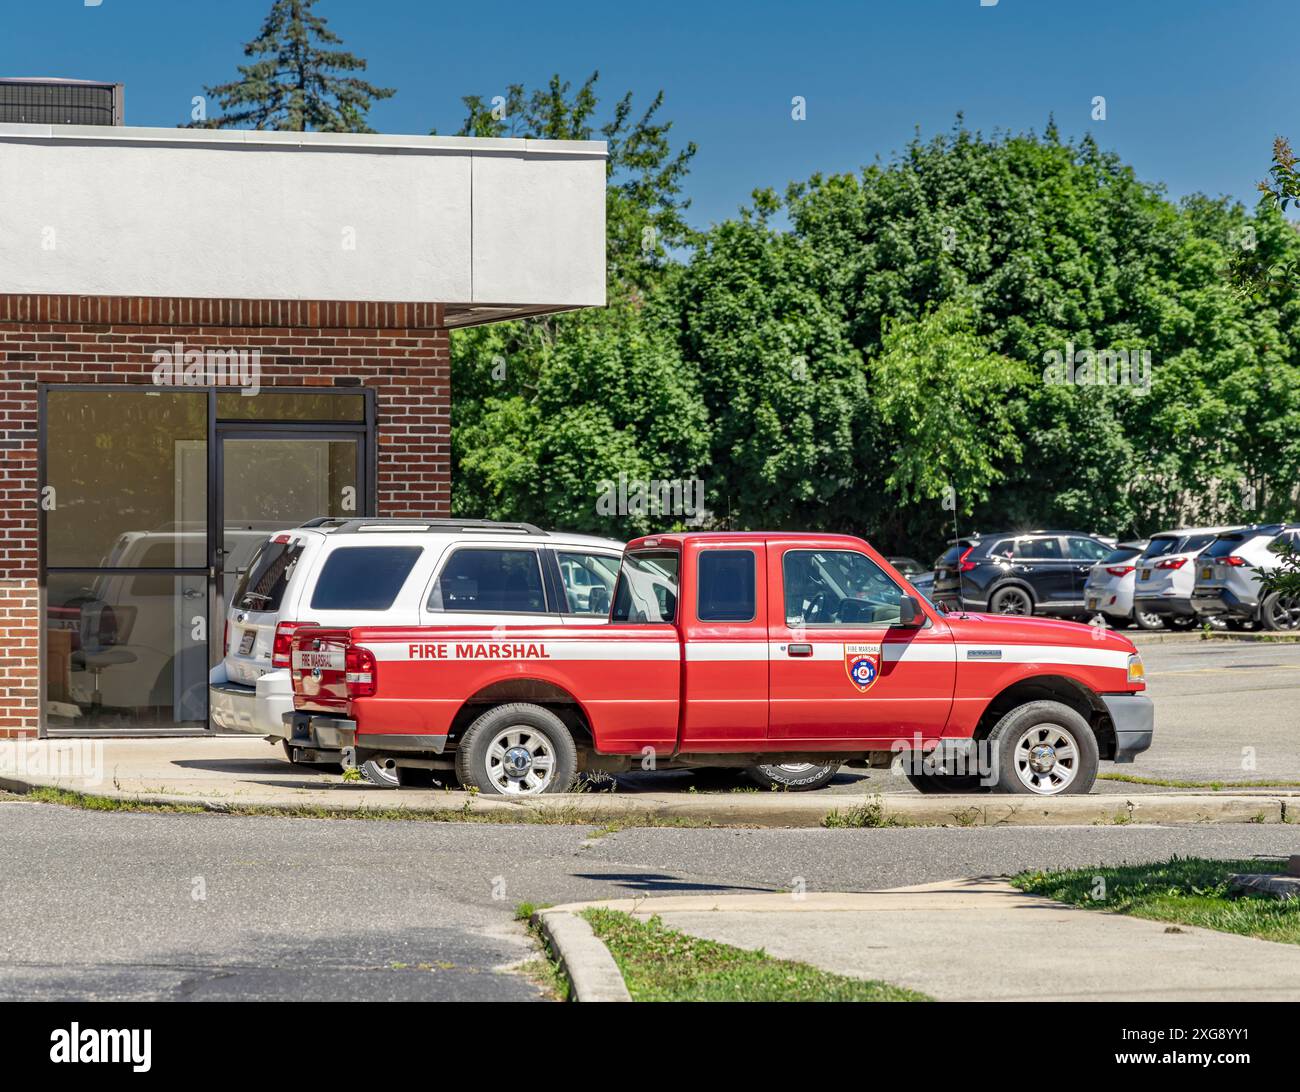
(246, 641)
(1146, 574)
(311, 660)
(1207, 574)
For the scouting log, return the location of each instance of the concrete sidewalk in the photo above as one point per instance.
(225, 772)
(983, 940)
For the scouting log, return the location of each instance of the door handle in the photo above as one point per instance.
(799, 650)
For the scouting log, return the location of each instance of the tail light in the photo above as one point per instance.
(962, 564)
(1235, 561)
(359, 672)
(282, 643)
(1171, 563)
(225, 639)
(1119, 570)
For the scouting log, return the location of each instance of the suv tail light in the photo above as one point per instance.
(360, 674)
(1235, 561)
(225, 639)
(1119, 570)
(282, 644)
(962, 564)
(1171, 563)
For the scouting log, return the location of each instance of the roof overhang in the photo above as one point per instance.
(491, 228)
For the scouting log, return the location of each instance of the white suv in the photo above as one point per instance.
(1228, 577)
(389, 572)
(1166, 573)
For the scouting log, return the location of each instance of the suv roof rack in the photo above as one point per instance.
(341, 526)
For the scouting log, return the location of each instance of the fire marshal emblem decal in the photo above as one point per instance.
(862, 663)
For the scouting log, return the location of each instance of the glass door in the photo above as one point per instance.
(270, 479)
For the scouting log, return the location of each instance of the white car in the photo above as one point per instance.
(1228, 577)
(1109, 588)
(1166, 575)
(387, 572)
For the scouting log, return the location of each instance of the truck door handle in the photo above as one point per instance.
(799, 650)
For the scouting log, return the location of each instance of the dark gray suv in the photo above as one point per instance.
(1018, 572)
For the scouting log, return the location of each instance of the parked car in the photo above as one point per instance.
(802, 651)
(1166, 573)
(921, 578)
(1227, 583)
(1109, 588)
(133, 648)
(392, 572)
(1018, 572)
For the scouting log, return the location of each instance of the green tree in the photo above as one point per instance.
(547, 410)
(295, 82)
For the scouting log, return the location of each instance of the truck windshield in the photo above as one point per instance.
(647, 588)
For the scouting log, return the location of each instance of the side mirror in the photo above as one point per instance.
(910, 613)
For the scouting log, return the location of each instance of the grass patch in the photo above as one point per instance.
(1217, 786)
(868, 814)
(559, 815)
(545, 969)
(661, 964)
(1183, 890)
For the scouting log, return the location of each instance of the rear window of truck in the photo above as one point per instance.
(363, 577)
(269, 573)
(647, 588)
(726, 586)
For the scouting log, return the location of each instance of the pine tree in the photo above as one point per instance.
(293, 83)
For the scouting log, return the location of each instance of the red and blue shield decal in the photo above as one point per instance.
(862, 663)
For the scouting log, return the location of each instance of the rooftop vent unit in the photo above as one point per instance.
(60, 102)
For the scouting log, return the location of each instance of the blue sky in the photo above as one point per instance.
(1195, 90)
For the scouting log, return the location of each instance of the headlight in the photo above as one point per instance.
(1136, 671)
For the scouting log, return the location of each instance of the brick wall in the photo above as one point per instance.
(400, 350)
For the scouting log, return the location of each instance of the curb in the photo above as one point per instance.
(592, 973)
(773, 809)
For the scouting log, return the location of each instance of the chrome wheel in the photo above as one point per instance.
(520, 761)
(1046, 759)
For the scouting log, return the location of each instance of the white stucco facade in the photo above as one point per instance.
(508, 224)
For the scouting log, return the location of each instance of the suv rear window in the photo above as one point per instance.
(1178, 544)
(1121, 554)
(363, 577)
(1224, 545)
(268, 575)
(496, 581)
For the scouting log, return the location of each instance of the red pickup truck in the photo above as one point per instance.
(789, 654)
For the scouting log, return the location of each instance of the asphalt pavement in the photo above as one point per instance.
(124, 905)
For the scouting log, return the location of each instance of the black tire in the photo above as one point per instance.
(793, 776)
(1012, 599)
(1046, 724)
(540, 733)
(1279, 614)
(944, 782)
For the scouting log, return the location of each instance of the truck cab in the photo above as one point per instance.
(771, 651)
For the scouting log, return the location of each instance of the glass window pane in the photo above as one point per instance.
(726, 591)
(363, 577)
(126, 651)
(647, 588)
(129, 474)
(837, 588)
(497, 581)
(588, 581)
(272, 405)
